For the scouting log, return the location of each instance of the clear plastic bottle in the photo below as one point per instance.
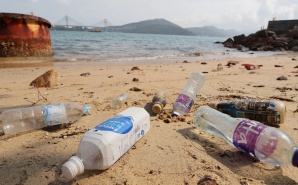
(268, 144)
(271, 112)
(118, 101)
(103, 145)
(187, 96)
(35, 117)
(159, 101)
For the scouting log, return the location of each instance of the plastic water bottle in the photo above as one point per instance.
(35, 117)
(118, 101)
(187, 96)
(103, 145)
(268, 144)
(159, 101)
(271, 112)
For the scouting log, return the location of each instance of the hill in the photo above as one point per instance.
(212, 31)
(155, 26)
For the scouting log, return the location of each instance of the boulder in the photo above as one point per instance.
(48, 79)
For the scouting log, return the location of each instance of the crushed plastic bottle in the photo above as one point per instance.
(270, 112)
(36, 117)
(103, 145)
(118, 101)
(187, 96)
(268, 144)
(159, 101)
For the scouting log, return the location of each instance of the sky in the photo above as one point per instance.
(245, 16)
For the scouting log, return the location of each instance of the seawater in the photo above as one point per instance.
(115, 47)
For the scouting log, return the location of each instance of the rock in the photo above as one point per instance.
(48, 79)
(203, 63)
(85, 74)
(278, 66)
(135, 68)
(296, 67)
(135, 89)
(238, 39)
(282, 78)
(185, 61)
(135, 79)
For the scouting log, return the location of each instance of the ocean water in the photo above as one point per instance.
(115, 47)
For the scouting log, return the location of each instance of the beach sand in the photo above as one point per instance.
(170, 153)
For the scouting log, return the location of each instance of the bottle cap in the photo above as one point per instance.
(86, 109)
(295, 158)
(73, 167)
(212, 104)
(156, 108)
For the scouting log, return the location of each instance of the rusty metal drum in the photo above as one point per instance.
(24, 35)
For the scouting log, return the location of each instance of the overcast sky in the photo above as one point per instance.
(245, 16)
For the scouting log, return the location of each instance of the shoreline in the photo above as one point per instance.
(171, 153)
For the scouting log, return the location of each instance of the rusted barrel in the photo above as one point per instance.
(24, 35)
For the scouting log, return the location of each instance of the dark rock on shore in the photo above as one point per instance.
(265, 40)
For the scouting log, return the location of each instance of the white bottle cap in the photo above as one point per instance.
(73, 167)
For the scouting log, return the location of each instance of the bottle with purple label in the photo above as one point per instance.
(187, 96)
(103, 145)
(268, 144)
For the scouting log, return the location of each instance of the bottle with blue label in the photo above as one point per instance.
(270, 112)
(103, 145)
(268, 144)
(187, 96)
(36, 117)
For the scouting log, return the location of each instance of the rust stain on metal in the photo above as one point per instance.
(24, 35)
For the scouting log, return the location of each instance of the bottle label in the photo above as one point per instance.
(54, 114)
(185, 100)
(261, 111)
(120, 125)
(246, 135)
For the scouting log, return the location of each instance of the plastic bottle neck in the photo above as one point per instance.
(86, 109)
(73, 167)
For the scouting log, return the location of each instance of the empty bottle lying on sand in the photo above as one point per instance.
(103, 145)
(35, 117)
(187, 96)
(268, 144)
(159, 101)
(270, 112)
(118, 101)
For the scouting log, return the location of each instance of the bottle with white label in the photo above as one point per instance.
(270, 112)
(103, 145)
(36, 117)
(268, 144)
(187, 96)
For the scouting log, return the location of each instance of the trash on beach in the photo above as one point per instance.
(159, 101)
(251, 66)
(187, 96)
(270, 112)
(270, 145)
(103, 145)
(118, 101)
(48, 79)
(36, 117)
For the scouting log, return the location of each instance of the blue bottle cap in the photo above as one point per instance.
(295, 158)
(86, 109)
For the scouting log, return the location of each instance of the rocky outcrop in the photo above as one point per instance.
(265, 40)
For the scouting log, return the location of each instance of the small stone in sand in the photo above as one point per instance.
(203, 63)
(135, 68)
(48, 79)
(282, 78)
(135, 79)
(296, 67)
(278, 66)
(85, 74)
(135, 89)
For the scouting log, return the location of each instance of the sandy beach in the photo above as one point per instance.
(170, 153)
